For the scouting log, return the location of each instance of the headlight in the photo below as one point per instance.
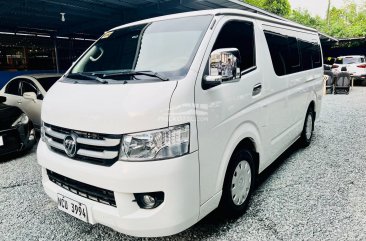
(22, 120)
(157, 144)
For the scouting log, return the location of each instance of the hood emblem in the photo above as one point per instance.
(70, 145)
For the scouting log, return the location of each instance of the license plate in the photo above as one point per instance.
(1, 141)
(72, 207)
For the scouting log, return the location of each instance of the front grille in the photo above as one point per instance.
(101, 149)
(82, 189)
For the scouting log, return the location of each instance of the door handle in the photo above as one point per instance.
(19, 101)
(257, 89)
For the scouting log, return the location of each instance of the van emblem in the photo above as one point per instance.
(70, 145)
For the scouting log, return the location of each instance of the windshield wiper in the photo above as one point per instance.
(132, 72)
(89, 76)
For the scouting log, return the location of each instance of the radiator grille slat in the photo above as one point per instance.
(102, 149)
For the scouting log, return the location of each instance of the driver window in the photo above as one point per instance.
(30, 87)
(240, 35)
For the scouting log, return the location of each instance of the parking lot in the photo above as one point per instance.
(317, 193)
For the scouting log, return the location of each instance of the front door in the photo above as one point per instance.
(230, 105)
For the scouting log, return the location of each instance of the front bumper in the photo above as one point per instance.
(11, 141)
(178, 178)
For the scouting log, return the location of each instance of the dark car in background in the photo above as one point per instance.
(17, 133)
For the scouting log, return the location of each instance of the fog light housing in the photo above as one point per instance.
(149, 200)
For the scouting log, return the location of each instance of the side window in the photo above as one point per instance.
(294, 55)
(13, 88)
(306, 55)
(291, 55)
(28, 86)
(278, 48)
(240, 35)
(316, 55)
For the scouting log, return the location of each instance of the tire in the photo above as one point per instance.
(308, 129)
(242, 166)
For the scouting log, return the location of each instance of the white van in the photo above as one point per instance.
(162, 121)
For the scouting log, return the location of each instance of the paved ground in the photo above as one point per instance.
(317, 193)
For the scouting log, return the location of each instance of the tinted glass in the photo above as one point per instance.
(240, 35)
(306, 49)
(278, 48)
(13, 87)
(316, 55)
(290, 55)
(294, 55)
(167, 47)
(28, 86)
(47, 82)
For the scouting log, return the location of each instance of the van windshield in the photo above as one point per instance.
(164, 47)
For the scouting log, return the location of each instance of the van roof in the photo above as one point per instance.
(222, 11)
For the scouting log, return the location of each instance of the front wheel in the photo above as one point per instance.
(308, 129)
(238, 184)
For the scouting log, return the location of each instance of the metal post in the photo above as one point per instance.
(328, 13)
(56, 54)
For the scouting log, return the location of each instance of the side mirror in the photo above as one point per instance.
(30, 96)
(210, 81)
(224, 65)
(2, 99)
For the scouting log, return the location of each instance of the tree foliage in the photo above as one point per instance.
(279, 7)
(348, 21)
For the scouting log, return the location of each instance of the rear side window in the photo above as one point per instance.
(315, 55)
(294, 55)
(291, 55)
(306, 53)
(278, 48)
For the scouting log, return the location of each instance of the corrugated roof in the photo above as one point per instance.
(90, 18)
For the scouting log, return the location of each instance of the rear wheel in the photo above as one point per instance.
(238, 184)
(308, 129)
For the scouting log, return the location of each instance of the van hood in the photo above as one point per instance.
(109, 109)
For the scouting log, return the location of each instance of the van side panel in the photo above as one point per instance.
(290, 93)
(273, 120)
(231, 113)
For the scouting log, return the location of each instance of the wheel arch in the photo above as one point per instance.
(246, 136)
(312, 106)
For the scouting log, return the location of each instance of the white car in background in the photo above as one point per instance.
(355, 65)
(27, 93)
